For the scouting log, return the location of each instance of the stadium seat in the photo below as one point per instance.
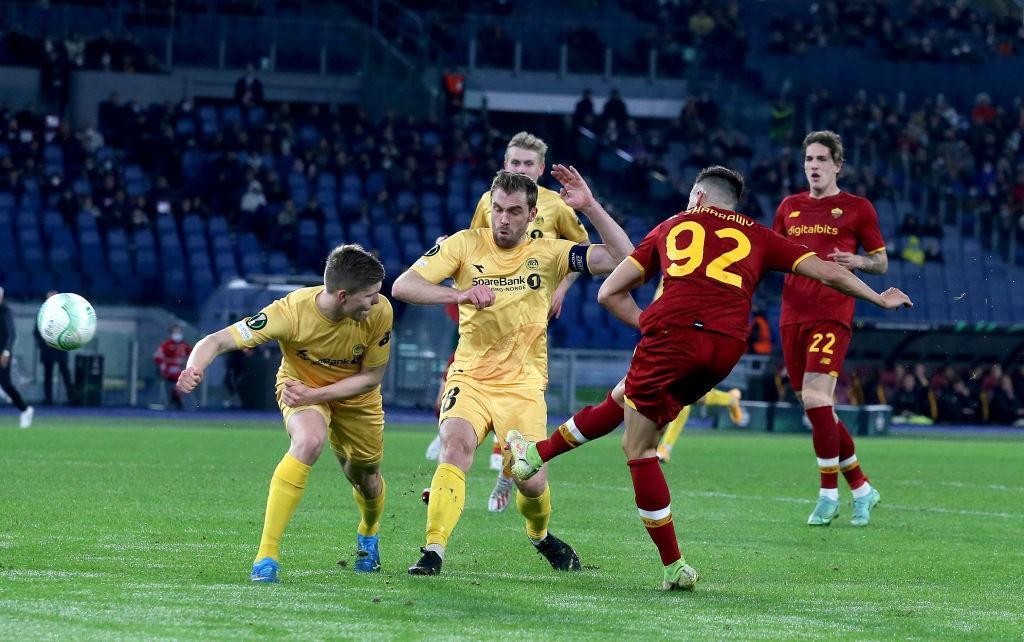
(277, 263)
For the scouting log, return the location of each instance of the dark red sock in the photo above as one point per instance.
(587, 424)
(848, 462)
(825, 436)
(654, 501)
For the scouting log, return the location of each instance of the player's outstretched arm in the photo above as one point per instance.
(615, 293)
(841, 279)
(207, 349)
(411, 287)
(616, 245)
(296, 394)
(877, 263)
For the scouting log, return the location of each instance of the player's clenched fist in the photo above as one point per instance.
(189, 379)
(480, 296)
(893, 298)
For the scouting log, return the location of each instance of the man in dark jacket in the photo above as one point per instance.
(51, 357)
(7, 335)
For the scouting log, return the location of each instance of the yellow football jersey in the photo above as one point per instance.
(314, 349)
(506, 343)
(555, 219)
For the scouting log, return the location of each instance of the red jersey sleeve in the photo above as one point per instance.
(645, 256)
(868, 233)
(782, 254)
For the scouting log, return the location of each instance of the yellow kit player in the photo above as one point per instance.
(504, 281)
(335, 344)
(714, 398)
(525, 154)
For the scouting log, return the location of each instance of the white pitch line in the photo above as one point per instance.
(797, 500)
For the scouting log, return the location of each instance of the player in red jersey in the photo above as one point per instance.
(816, 321)
(711, 259)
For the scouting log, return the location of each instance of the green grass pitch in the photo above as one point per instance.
(144, 529)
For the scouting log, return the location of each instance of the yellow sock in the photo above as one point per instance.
(717, 398)
(286, 489)
(370, 510)
(675, 428)
(537, 511)
(447, 499)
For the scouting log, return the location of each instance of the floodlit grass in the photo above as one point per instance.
(142, 529)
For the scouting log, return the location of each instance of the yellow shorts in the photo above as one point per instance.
(355, 430)
(496, 409)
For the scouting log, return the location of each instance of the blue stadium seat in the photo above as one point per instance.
(53, 157)
(217, 226)
(226, 265)
(52, 221)
(430, 234)
(359, 233)
(231, 115)
(253, 264)
(120, 261)
(277, 263)
(409, 232)
(248, 244)
(412, 250)
(375, 184)
(146, 263)
(405, 200)
(333, 232)
(458, 207)
(256, 116)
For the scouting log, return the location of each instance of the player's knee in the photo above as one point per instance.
(534, 486)
(813, 398)
(308, 446)
(457, 449)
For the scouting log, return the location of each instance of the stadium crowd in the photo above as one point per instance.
(921, 30)
(937, 393)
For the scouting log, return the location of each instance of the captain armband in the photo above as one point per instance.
(578, 259)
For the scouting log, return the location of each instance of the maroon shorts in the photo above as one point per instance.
(815, 346)
(672, 370)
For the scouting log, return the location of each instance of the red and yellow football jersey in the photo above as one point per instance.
(711, 260)
(842, 222)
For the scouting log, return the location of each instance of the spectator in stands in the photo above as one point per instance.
(170, 358)
(50, 358)
(912, 251)
(615, 109)
(287, 223)
(760, 339)
(1004, 405)
(249, 89)
(7, 337)
(909, 401)
(584, 110)
(453, 83)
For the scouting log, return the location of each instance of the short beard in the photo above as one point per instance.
(505, 245)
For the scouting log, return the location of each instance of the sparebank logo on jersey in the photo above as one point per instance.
(358, 350)
(817, 228)
(509, 283)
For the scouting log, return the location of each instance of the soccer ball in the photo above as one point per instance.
(66, 321)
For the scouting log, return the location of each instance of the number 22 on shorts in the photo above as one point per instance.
(818, 338)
